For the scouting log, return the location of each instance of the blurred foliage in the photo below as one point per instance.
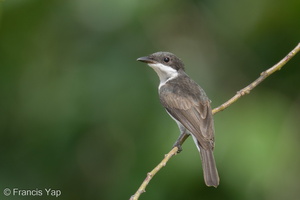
(79, 114)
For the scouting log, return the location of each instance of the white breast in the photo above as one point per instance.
(164, 72)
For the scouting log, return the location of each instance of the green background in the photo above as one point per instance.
(78, 113)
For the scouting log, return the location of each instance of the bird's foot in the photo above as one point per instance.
(178, 147)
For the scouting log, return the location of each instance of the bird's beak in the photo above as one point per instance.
(146, 59)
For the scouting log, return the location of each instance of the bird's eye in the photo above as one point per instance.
(166, 59)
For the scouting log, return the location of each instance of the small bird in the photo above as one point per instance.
(186, 102)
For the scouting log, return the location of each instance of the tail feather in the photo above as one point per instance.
(210, 172)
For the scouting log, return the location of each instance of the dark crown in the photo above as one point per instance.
(168, 59)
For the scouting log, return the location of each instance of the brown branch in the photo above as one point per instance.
(262, 77)
(153, 172)
(238, 95)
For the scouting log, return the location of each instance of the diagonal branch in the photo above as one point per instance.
(262, 77)
(238, 95)
(153, 172)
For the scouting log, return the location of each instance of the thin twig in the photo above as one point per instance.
(262, 77)
(238, 95)
(153, 172)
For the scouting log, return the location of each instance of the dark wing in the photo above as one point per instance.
(193, 112)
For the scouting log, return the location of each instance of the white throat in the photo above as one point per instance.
(164, 72)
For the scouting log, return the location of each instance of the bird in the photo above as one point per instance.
(187, 103)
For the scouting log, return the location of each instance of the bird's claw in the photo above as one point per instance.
(178, 147)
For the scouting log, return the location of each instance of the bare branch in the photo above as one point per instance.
(238, 95)
(153, 172)
(262, 77)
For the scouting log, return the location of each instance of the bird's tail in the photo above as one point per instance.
(210, 172)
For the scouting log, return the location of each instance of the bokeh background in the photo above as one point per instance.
(79, 114)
